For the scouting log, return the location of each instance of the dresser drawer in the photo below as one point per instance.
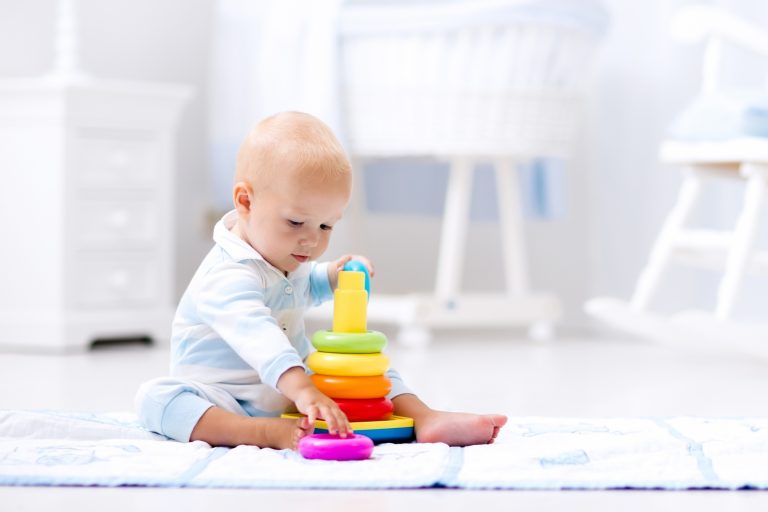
(101, 281)
(115, 222)
(115, 158)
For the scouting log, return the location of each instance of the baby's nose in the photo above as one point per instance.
(308, 241)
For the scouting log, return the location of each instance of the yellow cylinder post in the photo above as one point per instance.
(350, 301)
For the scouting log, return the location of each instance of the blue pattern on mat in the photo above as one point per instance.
(567, 458)
(696, 450)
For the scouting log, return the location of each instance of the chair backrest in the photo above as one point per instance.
(715, 26)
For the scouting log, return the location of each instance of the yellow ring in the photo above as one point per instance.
(348, 365)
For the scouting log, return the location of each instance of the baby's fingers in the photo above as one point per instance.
(369, 265)
(343, 261)
(343, 423)
(337, 422)
(312, 414)
(330, 420)
(346, 428)
(365, 261)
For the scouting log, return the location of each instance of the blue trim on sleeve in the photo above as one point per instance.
(272, 371)
(398, 386)
(319, 284)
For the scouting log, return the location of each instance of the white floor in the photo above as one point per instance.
(566, 377)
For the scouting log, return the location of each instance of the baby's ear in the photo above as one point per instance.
(241, 195)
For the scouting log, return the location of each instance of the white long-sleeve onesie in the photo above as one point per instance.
(238, 327)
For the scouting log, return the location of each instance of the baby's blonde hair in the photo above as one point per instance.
(290, 142)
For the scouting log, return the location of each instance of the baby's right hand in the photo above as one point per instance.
(314, 404)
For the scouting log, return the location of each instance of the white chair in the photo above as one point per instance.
(728, 156)
(466, 83)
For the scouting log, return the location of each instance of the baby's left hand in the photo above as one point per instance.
(335, 266)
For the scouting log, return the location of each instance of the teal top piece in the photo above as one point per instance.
(359, 266)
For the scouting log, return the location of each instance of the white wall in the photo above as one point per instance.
(643, 79)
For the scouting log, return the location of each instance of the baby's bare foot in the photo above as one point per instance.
(286, 433)
(459, 429)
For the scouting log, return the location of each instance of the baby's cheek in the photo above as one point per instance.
(323, 245)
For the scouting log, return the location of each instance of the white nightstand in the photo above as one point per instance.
(86, 211)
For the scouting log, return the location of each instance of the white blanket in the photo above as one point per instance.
(57, 448)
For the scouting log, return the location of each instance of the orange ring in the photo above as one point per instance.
(352, 387)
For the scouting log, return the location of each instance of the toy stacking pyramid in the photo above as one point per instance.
(349, 366)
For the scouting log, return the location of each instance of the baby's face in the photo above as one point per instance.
(291, 223)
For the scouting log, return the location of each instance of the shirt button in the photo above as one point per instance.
(288, 290)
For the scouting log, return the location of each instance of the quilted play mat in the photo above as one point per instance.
(56, 448)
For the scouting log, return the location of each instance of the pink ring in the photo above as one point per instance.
(333, 447)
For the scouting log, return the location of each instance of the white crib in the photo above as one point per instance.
(465, 82)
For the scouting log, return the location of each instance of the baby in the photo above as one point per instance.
(238, 341)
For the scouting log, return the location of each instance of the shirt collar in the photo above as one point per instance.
(232, 244)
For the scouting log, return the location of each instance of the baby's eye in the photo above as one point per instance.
(326, 227)
(295, 223)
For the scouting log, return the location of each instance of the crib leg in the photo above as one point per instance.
(511, 226)
(454, 230)
(357, 211)
(664, 245)
(743, 239)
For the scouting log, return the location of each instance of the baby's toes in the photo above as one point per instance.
(297, 436)
(304, 424)
(303, 429)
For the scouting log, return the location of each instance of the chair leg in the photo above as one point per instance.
(455, 223)
(662, 250)
(511, 226)
(744, 233)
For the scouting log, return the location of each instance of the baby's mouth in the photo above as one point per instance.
(300, 258)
